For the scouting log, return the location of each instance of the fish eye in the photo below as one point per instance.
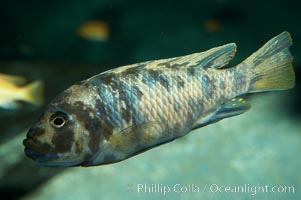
(58, 119)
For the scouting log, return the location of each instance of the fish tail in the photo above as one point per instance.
(271, 66)
(33, 93)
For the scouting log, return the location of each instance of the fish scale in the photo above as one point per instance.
(166, 109)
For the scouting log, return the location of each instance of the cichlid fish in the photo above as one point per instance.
(11, 91)
(125, 111)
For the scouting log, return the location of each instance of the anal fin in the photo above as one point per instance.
(235, 106)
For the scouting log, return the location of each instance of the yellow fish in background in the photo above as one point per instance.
(213, 25)
(96, 31)
(12, 90)
(119, 113)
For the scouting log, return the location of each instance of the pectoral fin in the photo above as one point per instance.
(231, 108)
(140, 136)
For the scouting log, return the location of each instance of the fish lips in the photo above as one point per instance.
(38, 156)
(31, 150)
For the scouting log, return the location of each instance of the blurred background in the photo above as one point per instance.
(61, 42)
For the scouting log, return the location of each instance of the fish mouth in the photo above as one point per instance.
(38, 156)
(28, 143)
(31, 150)
(48, 158)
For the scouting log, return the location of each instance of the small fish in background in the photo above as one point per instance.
(96, 31)
(223, 17)
(119, 113)
(213, 25)
(12, 90)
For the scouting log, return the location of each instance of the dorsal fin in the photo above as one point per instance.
(13, 79)
(213, 58)
(217, 57)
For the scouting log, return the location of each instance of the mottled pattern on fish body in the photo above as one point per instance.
(124, 111)
(174, 98)
(146, 104)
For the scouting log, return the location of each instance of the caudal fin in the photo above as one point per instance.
(271, 66)
(33, 93)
